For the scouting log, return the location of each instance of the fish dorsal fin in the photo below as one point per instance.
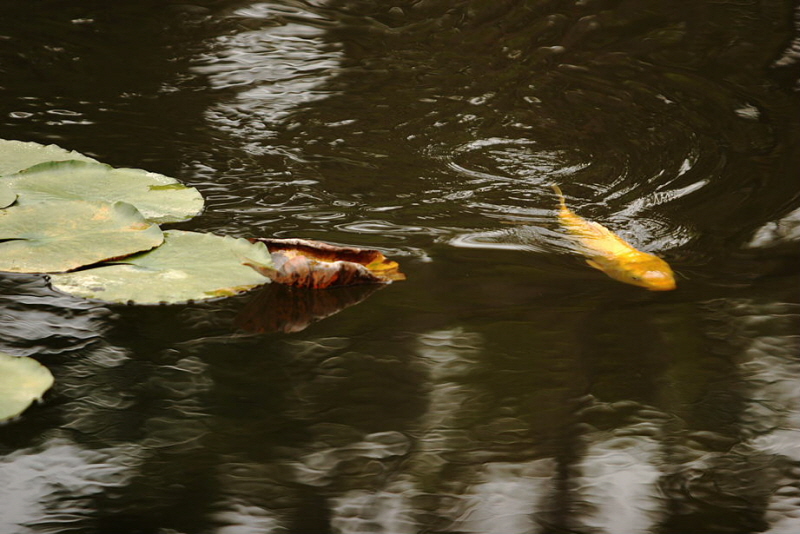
(594, 237)
(610, 242)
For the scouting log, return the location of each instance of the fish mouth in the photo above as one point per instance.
(658, 281)
(666, 287)
(664, 284)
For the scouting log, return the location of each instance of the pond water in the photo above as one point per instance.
(505, 387)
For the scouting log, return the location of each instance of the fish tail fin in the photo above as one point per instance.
(561, 198)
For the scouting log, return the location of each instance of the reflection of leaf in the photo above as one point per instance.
(65, 235)
(22, 381)
(280, 308)
(188, 266)
(18, 155)
(313, 264)
(160, 198)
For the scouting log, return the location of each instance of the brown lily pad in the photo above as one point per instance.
(318, 265)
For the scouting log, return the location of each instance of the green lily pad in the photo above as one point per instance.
(61, 236)
(18, 155)
(159, 198)
(189, 266)
(22, 381)
(7, 196)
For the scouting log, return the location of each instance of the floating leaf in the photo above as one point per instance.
(18, 155)
(160, 199)
(65, 235)
(318, 265)
(7, 196)
(22, 381)
(188, 266)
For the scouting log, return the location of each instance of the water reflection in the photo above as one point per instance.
(616, 486)
(51, 488)
(36, 321)
(278, 308)
(272, 69)
(459, 437)
(782, 233)
(626, 129)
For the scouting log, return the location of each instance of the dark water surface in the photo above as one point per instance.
(505, 387)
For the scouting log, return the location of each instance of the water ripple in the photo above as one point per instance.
(35, 320)
(271, 69)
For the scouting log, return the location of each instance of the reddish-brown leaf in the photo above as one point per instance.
(318, 265)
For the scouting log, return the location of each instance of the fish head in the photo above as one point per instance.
(648, 271)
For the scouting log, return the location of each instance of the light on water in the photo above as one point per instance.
(505, 387)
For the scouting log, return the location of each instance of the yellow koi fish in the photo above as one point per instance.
(611, 254)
